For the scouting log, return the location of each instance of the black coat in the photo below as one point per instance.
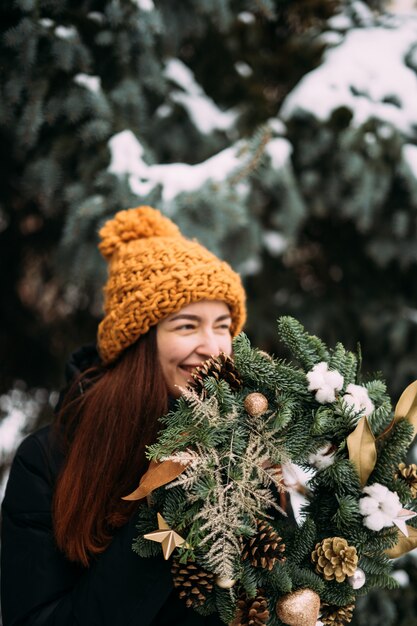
(40, 587)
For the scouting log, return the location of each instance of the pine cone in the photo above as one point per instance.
(220, 367)
(335, 559)
(332, 615)
(409, 474)
(251, 611)
(194, 583)
(265, 548)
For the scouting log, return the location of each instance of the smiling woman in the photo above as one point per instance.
(187, 338)
(66, 535)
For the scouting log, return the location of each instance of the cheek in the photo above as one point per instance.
(226, 346)
(172, 350)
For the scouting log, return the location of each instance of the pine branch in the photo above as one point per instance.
(307, 349)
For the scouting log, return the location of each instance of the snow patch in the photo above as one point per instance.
(274, 242)
(401, 577)
(366, 74)
(20, 410)
(144, 5)
(66, 32)
(279, 150)
(250, 267)
(243, 69)
(46, 22)
(203, 111)
(409, 156)
(331, 39)
(246, 17)
(340, 22)
(96, 16)
(92, 83)
(127, 159)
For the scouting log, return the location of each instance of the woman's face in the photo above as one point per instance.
(192, 335)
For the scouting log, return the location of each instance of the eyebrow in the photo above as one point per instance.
(197, 318)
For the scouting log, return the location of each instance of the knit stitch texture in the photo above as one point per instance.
(153, 272)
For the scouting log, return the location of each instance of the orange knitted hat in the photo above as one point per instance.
(155, 271)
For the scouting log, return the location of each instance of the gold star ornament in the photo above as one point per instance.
(167, 537)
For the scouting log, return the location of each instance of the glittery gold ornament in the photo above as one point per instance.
(299, 608)
(335, 559)
(332, 615)
(256, 404)
(225, 583)
(408, 473)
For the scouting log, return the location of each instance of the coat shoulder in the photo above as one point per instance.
(33, 473)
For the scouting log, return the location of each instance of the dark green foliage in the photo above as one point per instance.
(308, 350)
(217, 501)
(303, 542)
(225, 604)
(392, 453)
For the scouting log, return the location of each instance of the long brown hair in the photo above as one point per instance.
(105, 432)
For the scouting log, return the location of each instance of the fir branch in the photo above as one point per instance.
(279, 579)
(257, 368)
(302, 542)
(393, 452)
(256, 152)
(226, 604)
(203, 409)
(347, 514)
(307, 349)
(345, 363)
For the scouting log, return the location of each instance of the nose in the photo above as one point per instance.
(209, 345)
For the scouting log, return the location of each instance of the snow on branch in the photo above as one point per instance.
(127, 158)
(203, 111)
(366, 74)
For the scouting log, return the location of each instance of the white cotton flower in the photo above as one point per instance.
(376, 491)
(391, 506)
(357, 398)
(368, 506)
(324, 382)
(379, 507)
(377, 521)
(323, 457)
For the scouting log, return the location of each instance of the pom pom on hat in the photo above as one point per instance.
(132, 224)
(153, 272)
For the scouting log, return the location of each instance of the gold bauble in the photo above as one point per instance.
(225, 583)
(256, 404)
(299, 608)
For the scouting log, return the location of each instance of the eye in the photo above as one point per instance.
(185, 327)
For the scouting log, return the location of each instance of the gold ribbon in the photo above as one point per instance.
(407, 406)
(361, 442)
(404, 544)
(158, 473)
(362, 449)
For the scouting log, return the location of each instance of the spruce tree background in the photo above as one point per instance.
(99, 104)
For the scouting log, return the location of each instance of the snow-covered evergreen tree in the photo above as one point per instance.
(282, 133)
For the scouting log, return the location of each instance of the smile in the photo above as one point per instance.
(189, 369)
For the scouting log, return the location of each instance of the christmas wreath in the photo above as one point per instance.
(219, 482)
